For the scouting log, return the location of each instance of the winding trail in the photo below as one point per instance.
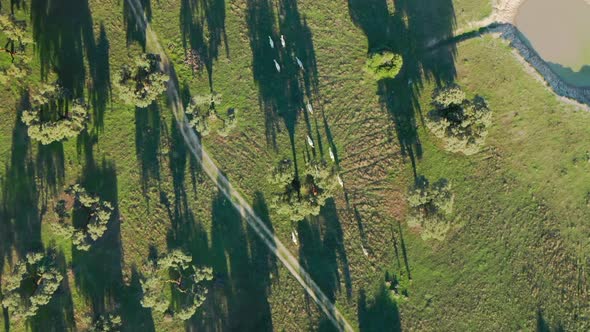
(240, 204)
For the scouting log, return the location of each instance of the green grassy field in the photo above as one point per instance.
(516, 262)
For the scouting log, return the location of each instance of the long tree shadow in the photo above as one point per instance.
(58, 314)
(242, 265)
(415, 25)
(544, 326)
(322, 251)
(134, 316)
(134, 30)
(202, 23)
(100, 92)
(284, 90)
(378, 314)
(50, 163)
(148, 128)
(20, 222)
(99, 271)
(63, 34)
(15, 5)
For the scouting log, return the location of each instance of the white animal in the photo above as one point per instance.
(294, 238)
(310, 142)
(340, 181)
(272, 43)
(299, 63)
(332, 155)
(365, 251)
(277, 66)
(309, 108)
(283, 41)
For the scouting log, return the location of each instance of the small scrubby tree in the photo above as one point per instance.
(16, 35)
(99, 213)
(16, 40)
(31, 285)
(140, 83)
(303, 196)
(175, 273)
(384, 64)
(52, 118)
(430, 204)
(202, 112)
(107, 323)
(463, 124)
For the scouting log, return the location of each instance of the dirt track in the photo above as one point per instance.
(240, 204)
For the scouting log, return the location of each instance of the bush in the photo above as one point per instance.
(384, 64)
(30, 286)
(463, 124)
(16, 35)
(142, 82)
(430, 204)
(305, 195)
(107, 323)
(203, 116)
(187, 282)
(13, 73)
(99, 216)
(50, 118)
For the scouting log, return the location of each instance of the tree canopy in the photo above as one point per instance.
(204, 117)
(140, 83)
(17, 38)
(174, 273)
(31, 285)
(463, 124)
(384, 64)
(98, 211)
(16, 35)
(107, 323)
(304, 195)
(52, 118)
(430, 204)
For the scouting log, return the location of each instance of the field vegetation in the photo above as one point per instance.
(515, 258)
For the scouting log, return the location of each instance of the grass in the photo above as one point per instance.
(519, 237)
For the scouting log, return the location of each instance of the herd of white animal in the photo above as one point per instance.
(310, 110)
(283, 44)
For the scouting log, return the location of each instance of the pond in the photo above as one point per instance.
(559, 30)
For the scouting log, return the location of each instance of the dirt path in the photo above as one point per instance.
(224, 186)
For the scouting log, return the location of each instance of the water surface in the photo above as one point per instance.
(559, 30)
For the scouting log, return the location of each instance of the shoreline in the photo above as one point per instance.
(501, 23)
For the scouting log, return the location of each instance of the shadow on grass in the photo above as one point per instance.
(64, 38)
(63, 34)
(58, 314)
(20, 221)
(378, 314)
(282, 94)
(148, 128)
(50, 168)
(99, 271)
(242, 275)
(133, 29)
(202, 24)
(322, 253)
(15, 5)
(414, 25)
(544, 326)
(100, 91)
(241, 262)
